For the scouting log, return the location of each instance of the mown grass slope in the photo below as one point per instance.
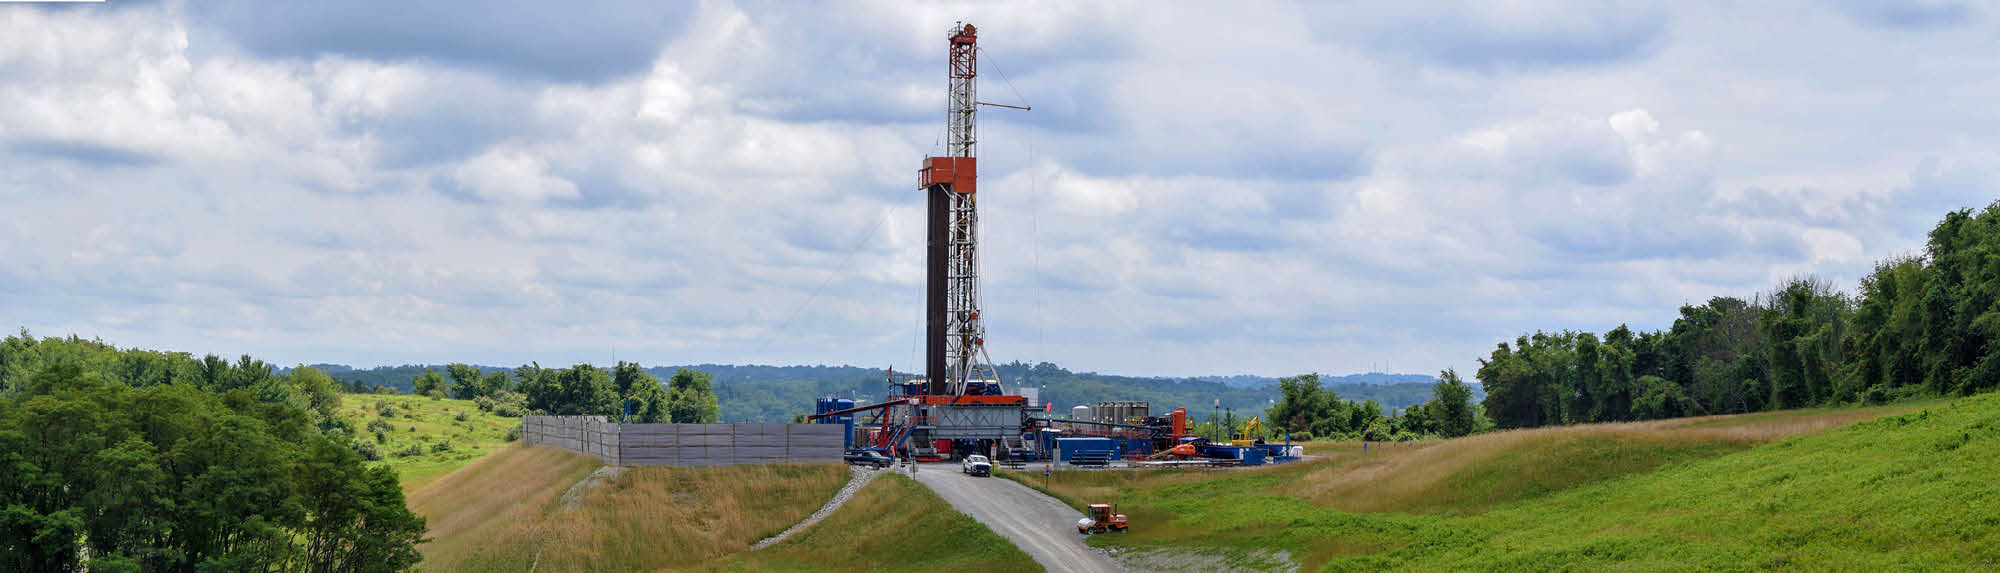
(471, 511)
(893, 524)
(1910, 490)
(414, 428)
(504, 512)
(653, 519)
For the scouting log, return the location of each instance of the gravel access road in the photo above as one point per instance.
(1041, 526)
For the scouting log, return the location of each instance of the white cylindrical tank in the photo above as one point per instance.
(1080, 413)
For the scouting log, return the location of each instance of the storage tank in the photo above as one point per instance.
(1080, 412)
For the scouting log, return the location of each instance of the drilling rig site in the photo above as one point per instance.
(958, 407)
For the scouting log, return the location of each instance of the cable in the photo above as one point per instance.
(829, 279)
(1003, 78)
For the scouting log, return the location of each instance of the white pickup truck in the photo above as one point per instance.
(976, 465)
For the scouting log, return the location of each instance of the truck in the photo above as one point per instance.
(976, 465)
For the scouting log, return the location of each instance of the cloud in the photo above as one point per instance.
(1490, 36)
(1918, 14)
(590, 44)
(1268, 188)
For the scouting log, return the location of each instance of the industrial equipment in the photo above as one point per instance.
(1102, 518)
(958, 406)
(1253, 434)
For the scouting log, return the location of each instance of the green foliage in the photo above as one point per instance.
(1450, 407)
(1918, 325)
(221, 468)
(690, 398)
(1306, 408)
(428, 383)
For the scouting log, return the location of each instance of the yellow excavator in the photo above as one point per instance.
(1253, 433)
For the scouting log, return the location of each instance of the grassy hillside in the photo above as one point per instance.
(1788, 489)
(504, 513)
(501, 513)
(660, 518)
(415, 427)
(471, 510)
(893, 524)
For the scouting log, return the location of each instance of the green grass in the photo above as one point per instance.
(893, 524)
(1907, 491)
(423, 422)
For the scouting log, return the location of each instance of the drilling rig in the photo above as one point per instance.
(955, 341)
(958, 406)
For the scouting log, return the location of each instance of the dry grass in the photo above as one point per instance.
(892, 524)
(490, 498)
(652, 519)
(1467, 475)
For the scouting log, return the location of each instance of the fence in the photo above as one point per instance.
(687, 444)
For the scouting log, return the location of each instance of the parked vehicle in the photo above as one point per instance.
(976, 465)
(869, 458)
(1100, 520)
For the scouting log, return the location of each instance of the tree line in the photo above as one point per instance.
(1306, 410)
(626, 391)
(135, 460)
(1925, 324)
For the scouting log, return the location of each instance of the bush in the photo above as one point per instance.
(1302, 436)
(444, 446)
(485, 403)
(513, 433)
(462, 416)
(379, 425)
(381, 438)
(368, 450)
(385, 410)
(413, 450)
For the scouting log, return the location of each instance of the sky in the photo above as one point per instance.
(1201, 188)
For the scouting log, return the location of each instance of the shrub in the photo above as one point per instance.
(381, 438)
(462, 416)
(379, 425)
(485, 403)
(444, 446)
(513, 433)
(413, 450)
(385, 410)
(368, 450)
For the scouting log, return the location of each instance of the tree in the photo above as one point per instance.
(690, 400)
(1451, 405)
(650, 402)
(178, 477)
(1659, 398)
(465, 381)
(428, 383)
(495, 383)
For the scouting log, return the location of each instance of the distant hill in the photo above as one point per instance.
(1370, 378)
(759, 393)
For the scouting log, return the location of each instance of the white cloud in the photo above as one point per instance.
(503, 174)
(1200, 189)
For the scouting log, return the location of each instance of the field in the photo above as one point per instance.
(470, 509)
(893, 524)
(1804, 489)
(507, 512)
(415, 427)
(503, 512)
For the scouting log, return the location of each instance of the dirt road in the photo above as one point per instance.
(1041, 526)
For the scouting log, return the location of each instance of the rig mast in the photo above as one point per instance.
(955, 341)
